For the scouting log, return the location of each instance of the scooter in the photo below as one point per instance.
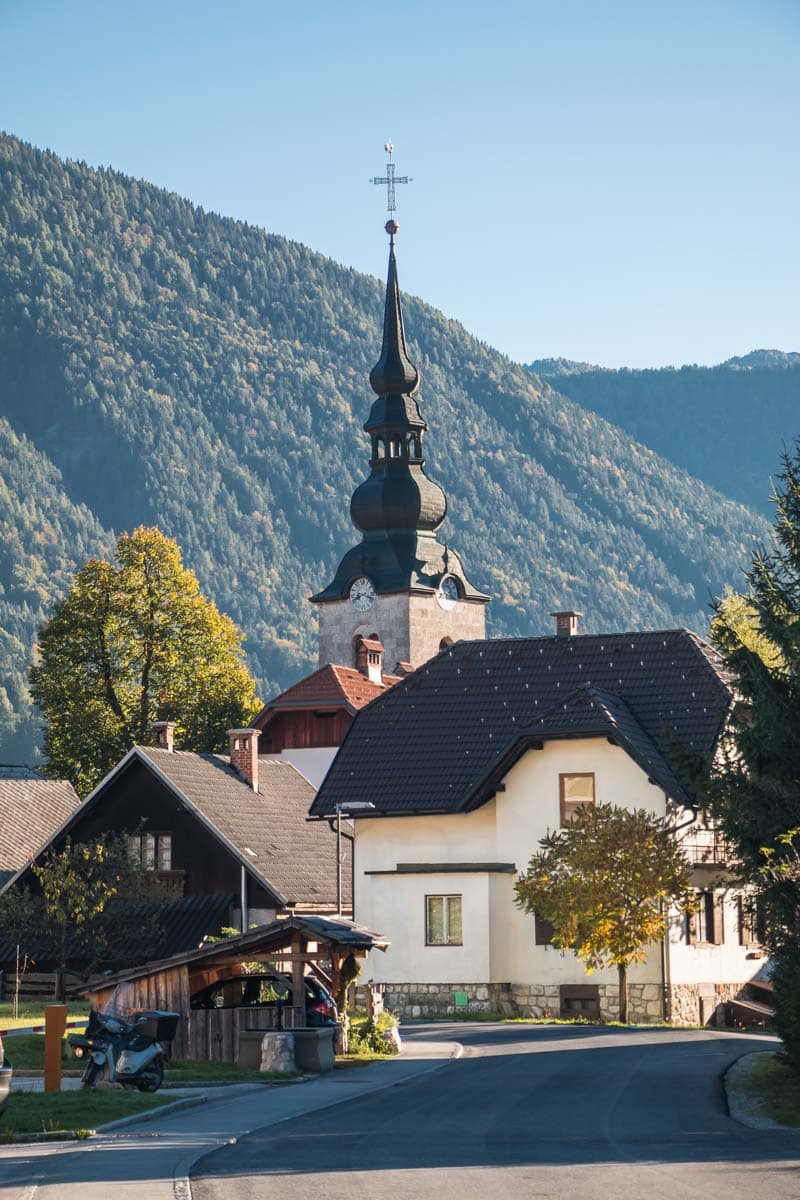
(128, 1052)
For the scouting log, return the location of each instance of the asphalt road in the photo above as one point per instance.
(529, 1111)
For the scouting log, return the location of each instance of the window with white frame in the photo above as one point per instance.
(443, 925)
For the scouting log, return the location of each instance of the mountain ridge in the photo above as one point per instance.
(726, 425)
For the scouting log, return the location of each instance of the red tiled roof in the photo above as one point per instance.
(332, 684)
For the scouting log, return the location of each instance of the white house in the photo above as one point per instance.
(472, 759)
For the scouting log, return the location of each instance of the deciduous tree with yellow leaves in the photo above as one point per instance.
(605, 882)
(134, 641)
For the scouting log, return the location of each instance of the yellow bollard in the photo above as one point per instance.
(55, 1024)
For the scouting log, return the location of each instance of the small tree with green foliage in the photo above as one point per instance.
(605, 882)
(135, 641)
(85, 906)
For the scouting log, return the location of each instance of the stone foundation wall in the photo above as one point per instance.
(645, 1001)
(701, 1003)
(688, 1003)
(418, 1000)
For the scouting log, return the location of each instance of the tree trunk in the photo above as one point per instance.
(622, 975)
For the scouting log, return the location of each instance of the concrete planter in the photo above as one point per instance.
(313, 1049)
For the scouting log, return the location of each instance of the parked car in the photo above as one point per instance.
(270, 992)
(5, 1078)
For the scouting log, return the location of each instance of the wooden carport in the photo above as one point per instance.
(295, 945)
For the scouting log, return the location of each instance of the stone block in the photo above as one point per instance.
(277, 1052)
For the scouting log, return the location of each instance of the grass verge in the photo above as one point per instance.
(31, 1012)
(25, 1052)
(184, 1070)
(32, 1112)
(775, 1084)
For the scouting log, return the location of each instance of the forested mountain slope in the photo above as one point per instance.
(727, 424)
(43, 538)
(179, 368)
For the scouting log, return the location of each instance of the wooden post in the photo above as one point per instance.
(55, 1024)
(298, 987)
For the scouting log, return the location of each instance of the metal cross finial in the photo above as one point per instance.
(389, 180)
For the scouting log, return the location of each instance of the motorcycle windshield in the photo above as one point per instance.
(120, 1003)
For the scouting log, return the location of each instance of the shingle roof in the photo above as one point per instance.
(275, 936)
(293, 857)
(31, 810)
(330, 685)
(433, 740)
(590, 711)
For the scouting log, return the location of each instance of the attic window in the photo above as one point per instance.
(153, 851)
(574, 792)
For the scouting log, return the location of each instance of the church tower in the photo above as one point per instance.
(400, 585)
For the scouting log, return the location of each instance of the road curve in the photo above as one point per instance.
(571, 1112)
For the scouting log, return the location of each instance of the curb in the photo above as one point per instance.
(151, 1114)
(52, 1135)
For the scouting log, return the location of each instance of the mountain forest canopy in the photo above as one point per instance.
(727, 424)
(165, 366)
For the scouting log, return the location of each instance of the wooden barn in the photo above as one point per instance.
(295, 946)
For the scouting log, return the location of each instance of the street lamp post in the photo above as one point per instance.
(345, 810)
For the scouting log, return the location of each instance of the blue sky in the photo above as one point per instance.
(609, 181)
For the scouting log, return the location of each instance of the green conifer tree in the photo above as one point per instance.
(755, 786)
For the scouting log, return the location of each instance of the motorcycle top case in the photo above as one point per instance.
(160, 1026)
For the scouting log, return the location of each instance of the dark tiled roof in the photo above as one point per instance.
(433, 740)
(331, 684)
(31, 810)
(182, 923)
(293, 857)
(588, 711)
(14, 771)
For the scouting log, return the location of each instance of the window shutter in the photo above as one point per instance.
(691, 928)
(543, 931)
(718, 910)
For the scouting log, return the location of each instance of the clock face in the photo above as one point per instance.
(362, 594)
(447, 594)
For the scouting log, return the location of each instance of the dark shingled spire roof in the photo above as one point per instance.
(442, 739)
(398, 509)
(394, 370)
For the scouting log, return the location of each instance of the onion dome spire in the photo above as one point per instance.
(394, 373)
(398, 497)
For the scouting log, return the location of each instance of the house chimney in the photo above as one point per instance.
(244, 754)
(369, 659)
(163, 734)
(566, 623)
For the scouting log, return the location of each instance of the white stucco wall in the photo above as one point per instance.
(727, 961)
(499, 944)
(527, 810)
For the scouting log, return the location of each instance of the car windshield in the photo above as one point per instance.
(246, 992)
